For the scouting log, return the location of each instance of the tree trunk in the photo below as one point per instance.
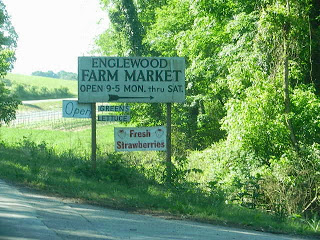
(286, 85)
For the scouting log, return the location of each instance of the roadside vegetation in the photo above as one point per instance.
(58, 162)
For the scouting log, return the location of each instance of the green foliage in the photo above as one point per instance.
(306, 114)
(8, 104)
(49, 74)
(126, 29)
(291, 184)
(39, 83)
(27, 92)
(255, 117)
(62, 75)
(8, 39)
(256, 124)
(286, 186)
(163, 37)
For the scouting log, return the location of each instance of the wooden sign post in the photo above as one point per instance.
(93, 137)
(168, 155)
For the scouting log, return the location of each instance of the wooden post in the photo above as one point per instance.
(168, 157)
(93, 137)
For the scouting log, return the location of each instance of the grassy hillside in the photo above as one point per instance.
(34, 87)
(50, 83)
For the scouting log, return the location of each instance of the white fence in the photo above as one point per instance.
(36, 117)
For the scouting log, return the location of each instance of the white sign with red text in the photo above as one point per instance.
(140, 138)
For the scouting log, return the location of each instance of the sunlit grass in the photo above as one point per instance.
(77, 139)
(40, 106)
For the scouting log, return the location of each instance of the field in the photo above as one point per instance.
(33, 87)
(77, 139)
(40, 82)
(40, 106)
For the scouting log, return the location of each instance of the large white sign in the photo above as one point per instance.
(131, 79)
(73, 109)
(140, 139)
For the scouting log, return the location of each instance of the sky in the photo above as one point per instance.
(53, 33)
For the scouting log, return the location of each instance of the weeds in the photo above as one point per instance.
(314, 223)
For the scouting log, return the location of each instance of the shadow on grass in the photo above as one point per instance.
(33, 106)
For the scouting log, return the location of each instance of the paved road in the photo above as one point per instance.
(25, 215)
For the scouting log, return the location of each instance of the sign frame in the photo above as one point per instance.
(131, 79)
(128, 139)
(74, 109)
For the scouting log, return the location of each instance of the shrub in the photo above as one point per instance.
(27, 92)
(291, 183)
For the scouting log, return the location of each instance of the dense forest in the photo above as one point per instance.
(250, 126)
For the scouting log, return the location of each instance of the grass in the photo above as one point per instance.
(40, 82)
(77, 140)
(40, 106)
(58, 162)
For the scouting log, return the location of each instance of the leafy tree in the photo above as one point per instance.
(67, 75)
(126, 29)
(49, 74)
(8, 105)
(252, 90)
(8, 40)
(61, 74)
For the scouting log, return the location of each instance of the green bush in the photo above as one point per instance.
(291, 183)
(288, 186)
(27, 92)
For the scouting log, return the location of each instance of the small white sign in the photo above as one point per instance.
(73, 109)
(114, 118)
(140, 139)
